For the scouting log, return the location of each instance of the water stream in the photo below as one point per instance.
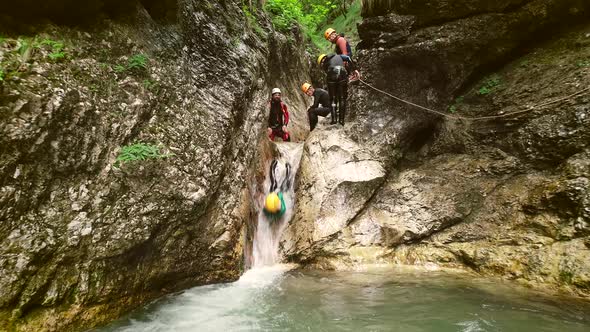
(268, 232)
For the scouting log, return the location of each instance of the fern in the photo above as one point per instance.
(57, 49)
(138, 152)
(137, 62)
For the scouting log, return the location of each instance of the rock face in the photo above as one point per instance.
(506, 196)
(83, 237)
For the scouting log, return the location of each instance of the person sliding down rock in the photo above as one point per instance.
(321, 104)
(337, 68)
(279, 117)
(274, 203)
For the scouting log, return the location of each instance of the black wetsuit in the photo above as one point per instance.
(279, 117)
(320, 107)
(337, 79)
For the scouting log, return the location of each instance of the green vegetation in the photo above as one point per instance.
(137, 63)
(150, 85)
(583, 63)
(252, 20)
(345, 23)
(489, 85)
(310, 14)
(57, 49)
(455, 107)
(566, 276)
(25, 48)
(17, 54)
(139, 151)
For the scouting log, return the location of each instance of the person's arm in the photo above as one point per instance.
(351, 66)
(270, 119)
(341, 43)
(286, 113)
(316, 102)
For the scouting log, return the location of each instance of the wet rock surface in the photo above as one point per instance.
(84, 237)
(506, 196)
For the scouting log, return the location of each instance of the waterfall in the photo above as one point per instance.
(268, 231)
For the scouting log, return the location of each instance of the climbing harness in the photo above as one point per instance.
(458, 117)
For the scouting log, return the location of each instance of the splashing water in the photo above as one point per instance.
(268, 231)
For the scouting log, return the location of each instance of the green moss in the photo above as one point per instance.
(566, 276)
(489, 85)
(455, 107)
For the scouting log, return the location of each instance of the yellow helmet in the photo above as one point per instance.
(272, 203)
(305, 87)
(321, 58)
(328, 32)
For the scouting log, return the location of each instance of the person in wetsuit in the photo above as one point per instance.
(278, 118)
(274, 203)
(342, 46)
(337, 68)
(320, 107)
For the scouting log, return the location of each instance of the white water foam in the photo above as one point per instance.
(220, 307)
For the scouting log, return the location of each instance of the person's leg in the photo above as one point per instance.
(343, 95)
(313, 118)
(287, 180)
(273, 180)
(285, 136)
(323, 111)
(333, 91)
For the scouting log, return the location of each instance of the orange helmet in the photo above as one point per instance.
(305, 87)
(328, 32)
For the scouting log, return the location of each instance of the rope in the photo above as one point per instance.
(458, 117)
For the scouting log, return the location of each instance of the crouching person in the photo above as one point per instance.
(321, 104)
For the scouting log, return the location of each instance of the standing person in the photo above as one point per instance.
(320, 107)
(278, 118)
(335, 66)
(342, 46)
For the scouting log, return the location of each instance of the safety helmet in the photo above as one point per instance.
(275, 90)
(305, 87)
(321, 58)
(328, 32)
(272, 203)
